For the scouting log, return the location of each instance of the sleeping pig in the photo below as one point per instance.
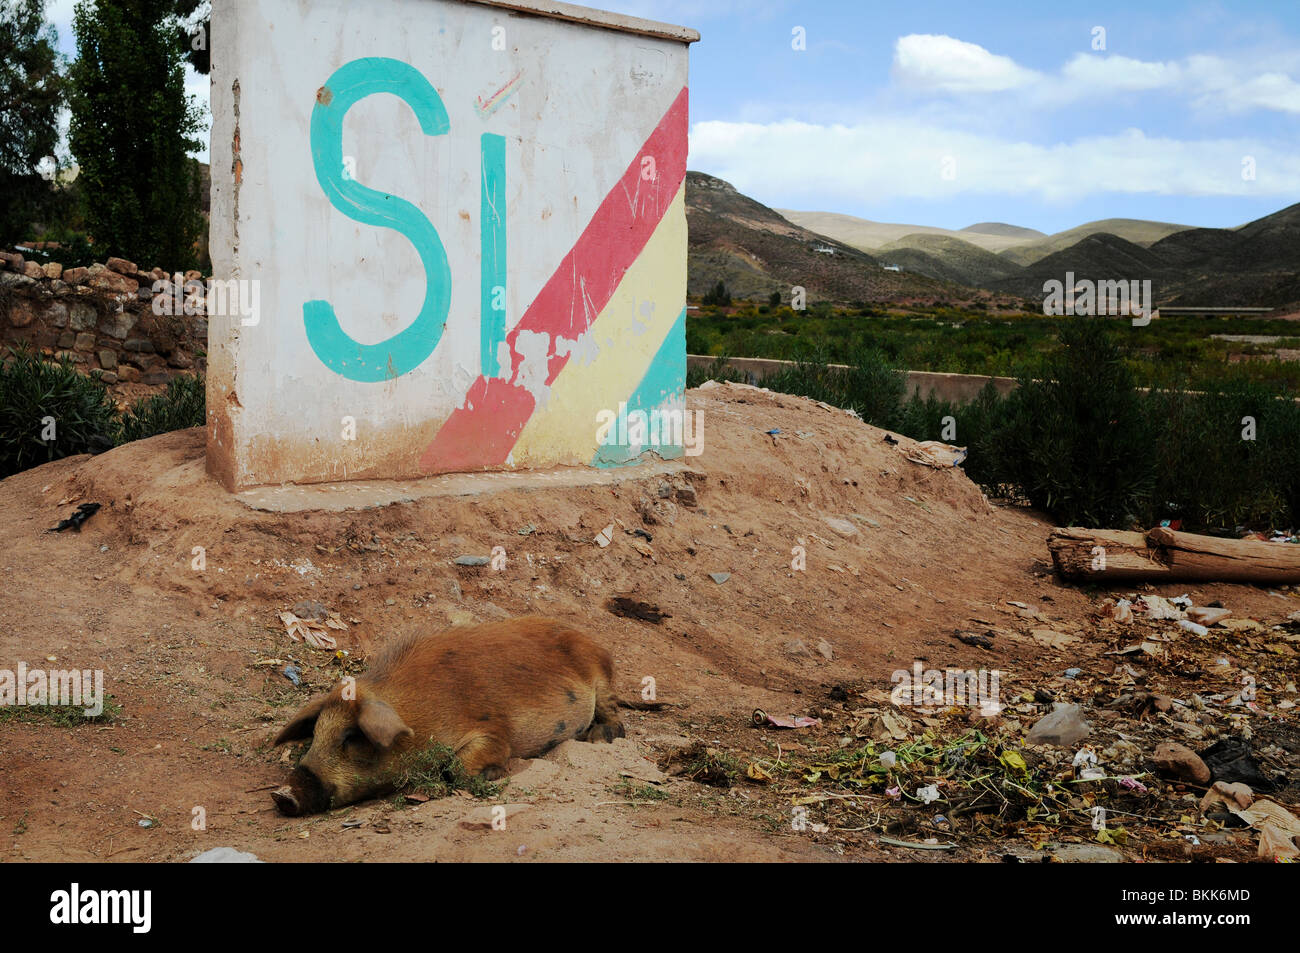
(489, 692)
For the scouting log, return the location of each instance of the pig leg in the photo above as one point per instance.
(605, 723)
(484, 754)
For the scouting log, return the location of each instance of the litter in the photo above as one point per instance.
(763, 720)
(293, 674)
(83, 512)
(934, 454)
(605, 536)
(312, 631)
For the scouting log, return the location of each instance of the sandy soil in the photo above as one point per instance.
(194, 657)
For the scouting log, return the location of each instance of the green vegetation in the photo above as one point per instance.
(973, 342)
(49, 410)
(139, 185)
(436, 772)
(1079, 439)
(64, 716)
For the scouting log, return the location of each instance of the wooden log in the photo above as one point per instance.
(1207, 558)
(1165, 555)
(1105, 555)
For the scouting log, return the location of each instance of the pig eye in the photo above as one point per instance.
(353, 737)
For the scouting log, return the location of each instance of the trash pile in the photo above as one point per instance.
(1178, 740)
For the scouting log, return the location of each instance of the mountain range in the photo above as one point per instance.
(754, 250)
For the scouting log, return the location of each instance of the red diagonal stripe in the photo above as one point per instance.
(482, 433)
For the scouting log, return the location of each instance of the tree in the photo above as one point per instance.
(132, 129)
(31, 93)
(717, 296)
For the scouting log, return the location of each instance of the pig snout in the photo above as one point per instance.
(304, 794)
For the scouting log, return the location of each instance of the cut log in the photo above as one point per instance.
(1208, 558)
(1165, 555)
(1105, 554)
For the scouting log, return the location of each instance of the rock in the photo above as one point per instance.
(57, 314)
(52, 270)
(113, 283)
(108, 377)
(686, 495)
(22, 312)
(797, 648)
(180, 360)
(13, 261)
(138, 345)
(121, 266)
(226, 855)
(128, 374)
(70, 356)
(825, 650)
(95, 269)
(82, 316)
(76, 276)
(154, 378)
(842, 526)
(1180, 762)
(1063, 727)
(471, 560)
(119, 325)
(66, 339)
(108, 359)
(33, 271)
(85, 341)
(58, 287)
(655, 512)
(310, 609)
(719, 577)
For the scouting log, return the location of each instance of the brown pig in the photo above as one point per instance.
(488, 692)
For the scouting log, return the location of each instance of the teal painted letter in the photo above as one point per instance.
(406, 350)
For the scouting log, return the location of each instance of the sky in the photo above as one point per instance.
(951, 112)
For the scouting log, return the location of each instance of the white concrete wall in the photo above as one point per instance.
(580, 104)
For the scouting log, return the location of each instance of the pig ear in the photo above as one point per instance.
(381, 724)
(303, 723)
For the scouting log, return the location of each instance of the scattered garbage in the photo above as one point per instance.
(605, 536)
(928, 794)
(226, 855)
(932, 453)
(313, 631)
(1063, 727)
(1073, 672)
(763, 720)
(719, 577)
(1231, 759)
(293, 673)
(1193, 627)
(83, 512)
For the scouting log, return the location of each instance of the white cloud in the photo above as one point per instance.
(1119, 73)
(927, 61)
(902, 157)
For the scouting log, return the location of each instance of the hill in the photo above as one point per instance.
(868, 235)
(1135, 230)
(755, 251)
(947, 258)
(1002, 229)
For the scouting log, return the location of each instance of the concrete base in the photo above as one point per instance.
(368, 494)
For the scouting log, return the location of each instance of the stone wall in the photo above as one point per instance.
(103, 317)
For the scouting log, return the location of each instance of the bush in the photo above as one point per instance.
(40, 397)
(1076, 440)
(181, 405)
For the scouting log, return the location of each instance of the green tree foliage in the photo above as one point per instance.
(31, 94)
(132, 129)
(718, 295)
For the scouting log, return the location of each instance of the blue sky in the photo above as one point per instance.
(951, 112)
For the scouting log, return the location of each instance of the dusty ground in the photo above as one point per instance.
(193, 657)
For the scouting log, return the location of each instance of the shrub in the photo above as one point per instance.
(181, 405)
(39, 397)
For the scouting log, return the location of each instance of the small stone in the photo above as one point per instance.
(180, 359)
(76, 276)
(471, 560)
(108, 377)
(33, 271)
(113, 283)
(719, 577)
(128, 374)
(841, 526)
(13, 261)
(825, 650)
(66, 340)
(108, 359)
(22, 312)
(311, 609)
(121, 266)
(797, 648)
(52, 270)
(85, 341)
(139, 345)
(57, 314)
(1180, 762)
(1063, 727)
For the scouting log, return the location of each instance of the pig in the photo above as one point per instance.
(489, 692)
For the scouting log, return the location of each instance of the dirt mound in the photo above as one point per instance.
(800, 551)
